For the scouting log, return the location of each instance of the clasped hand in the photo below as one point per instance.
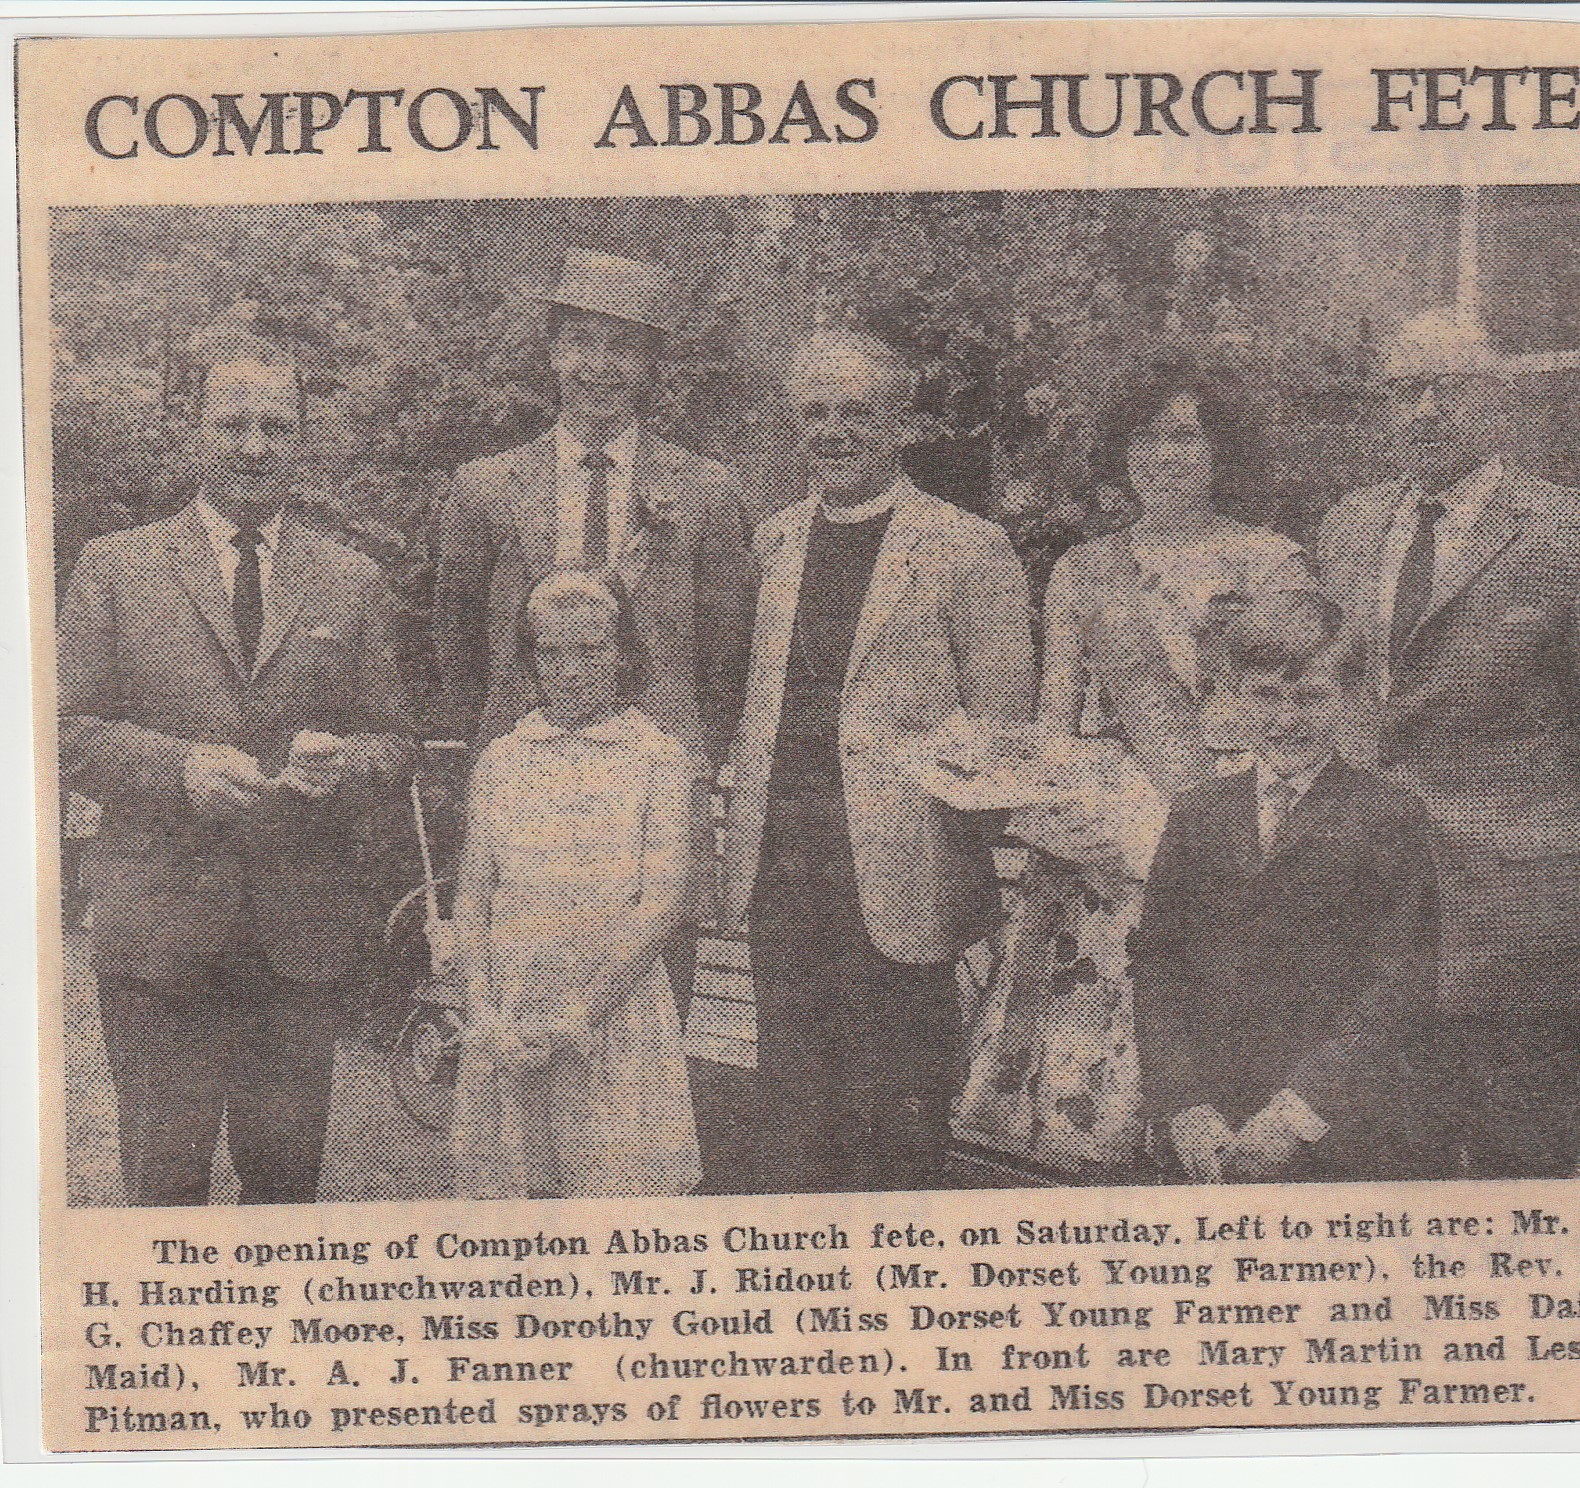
(526, 1046)
(221, 780)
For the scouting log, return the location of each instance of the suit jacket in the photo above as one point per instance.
(946, 624)
(1481, 715)
(686, 568)
(1311, 969)
(149, 664)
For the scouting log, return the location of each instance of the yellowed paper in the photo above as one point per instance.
(457, 1034)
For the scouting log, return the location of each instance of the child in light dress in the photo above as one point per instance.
(575, 873)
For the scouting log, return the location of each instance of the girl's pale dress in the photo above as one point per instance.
(576, 823)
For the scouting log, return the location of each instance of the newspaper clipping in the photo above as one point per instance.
(806, 731)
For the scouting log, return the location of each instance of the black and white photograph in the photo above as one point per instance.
(639, 697)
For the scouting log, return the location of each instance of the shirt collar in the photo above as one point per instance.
(865, 511)
(571, 451)
(1300, 784)
(618, 728)
(1462, 502)
(221, 529)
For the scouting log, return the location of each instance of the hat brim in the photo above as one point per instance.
(649, 321)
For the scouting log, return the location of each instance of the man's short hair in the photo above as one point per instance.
(1442, 341)
(256, 353)
(1290, 632)
(834, 344)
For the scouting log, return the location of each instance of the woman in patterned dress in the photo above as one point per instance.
(1132, 621)
(575, 872)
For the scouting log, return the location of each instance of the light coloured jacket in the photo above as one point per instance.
(685, 567)
(946, 624)
(1481, 713)
(149, 664)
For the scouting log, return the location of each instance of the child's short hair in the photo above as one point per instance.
(1289, 632)
(603, 591)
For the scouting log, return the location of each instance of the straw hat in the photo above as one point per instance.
(625, 288)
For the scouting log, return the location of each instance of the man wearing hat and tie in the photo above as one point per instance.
(1461, 583)
(599, 489)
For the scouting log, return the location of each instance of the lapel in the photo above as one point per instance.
(1238, 824)
(1370, 534)
(294, 570)
(533, 496)
(891, 573)
(193, 556)
(652, 488)
(1501, 521)
(1328, 793)
(781, 588)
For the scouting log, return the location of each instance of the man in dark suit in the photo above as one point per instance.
(1461, 581)
(229, 693)
(599, 489)
(1285, 958)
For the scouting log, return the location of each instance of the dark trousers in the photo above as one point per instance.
(245, 1046)
(1509, 1086)
(858, 1056)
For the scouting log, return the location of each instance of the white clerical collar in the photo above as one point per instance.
(621, 449)
(221, 528)
(864, 511)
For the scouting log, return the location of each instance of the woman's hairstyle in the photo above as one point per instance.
(1289, 632)
(1141, 397)
(604, 592)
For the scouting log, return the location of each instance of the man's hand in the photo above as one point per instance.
(1201, 1137)
(317, 765)
(221, 781)
(1263, 1148)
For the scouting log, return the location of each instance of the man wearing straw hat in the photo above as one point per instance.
(1461, 581)
(600, 489)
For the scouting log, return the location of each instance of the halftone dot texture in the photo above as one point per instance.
(421, 351)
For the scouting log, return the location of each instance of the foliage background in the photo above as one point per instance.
(424, 349)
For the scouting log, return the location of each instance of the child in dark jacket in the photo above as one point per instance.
(1286, 956)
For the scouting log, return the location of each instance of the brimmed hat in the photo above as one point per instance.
(626, 288)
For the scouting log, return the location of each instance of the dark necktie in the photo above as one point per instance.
(1413, 592)
(246, 597)
(595, 532)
